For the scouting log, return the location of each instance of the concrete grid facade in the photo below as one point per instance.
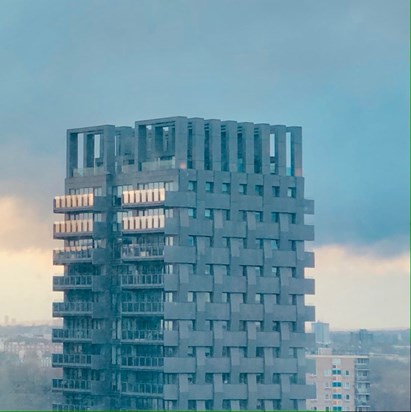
(183, 268)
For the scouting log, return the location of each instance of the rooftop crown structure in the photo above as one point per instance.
(183, 268)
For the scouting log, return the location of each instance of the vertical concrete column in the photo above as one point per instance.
(88, 149)
(231, 131)
(198, 143)
(248, 142)
(215, 141)
(107, 141)
(140, 136)
(280, 149)
(181, 125)
(71, 153)
(264, 136)
(296, 150)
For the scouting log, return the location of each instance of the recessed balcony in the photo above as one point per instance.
(142, 336)
(71, 385)
(136, 198)
(142, 281)
(142, 308)
(58, 360)
(95, 310)
(96, 336)
(144, 223)
(145, 389)
(96, 283)
(67, 407)
(142, 362)
(138, 252)
(77, 203)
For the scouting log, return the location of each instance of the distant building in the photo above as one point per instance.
(342, 382)
(184, 263)
(321, 331)
(361, 341)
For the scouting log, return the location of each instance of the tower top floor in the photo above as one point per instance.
(185, 143)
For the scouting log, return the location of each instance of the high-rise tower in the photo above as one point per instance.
(183, 267)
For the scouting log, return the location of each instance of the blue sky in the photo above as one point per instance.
(338, 69)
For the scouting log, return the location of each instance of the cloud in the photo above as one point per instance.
(26, 285)
(360, 289)
(23, 226)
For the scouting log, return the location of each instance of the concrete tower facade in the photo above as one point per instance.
(183, 268)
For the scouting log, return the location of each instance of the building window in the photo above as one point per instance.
(242, 189)
(225, 188)
(192, 212)
(276, 191)
(226, 404)
(209, 187)
(276, 378)
(259, 190)
(258, 298)
(276, 326)
(208, 270)
(191, 241)
(192, 186)
(274, 217)
(208, 213)
(275, 271)
(258, 216)
(274, 244)
(224, 297)
(191, 405)
(190, 297)
(291, 192)
(226, 214)
(169, 297)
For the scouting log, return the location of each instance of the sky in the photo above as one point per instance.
(338, 69)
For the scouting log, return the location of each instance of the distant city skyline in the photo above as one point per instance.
(340, 70)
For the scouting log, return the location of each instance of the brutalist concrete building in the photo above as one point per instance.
(184, 267)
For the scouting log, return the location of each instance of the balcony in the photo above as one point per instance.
(77, 228)
(73, 228)
(143, 223)
(77, 203)
(67, 335)
(96, 283)
(142, 281)
(159, 164)
(61, 283)
(76, 360)
(78, 254)
(89, 171)
(144, 389)
(136, 198)
(142, 336)
(72, 308)
(142, 362)
(66, 407)
(142, 308)
(138, 252)
(75, 385)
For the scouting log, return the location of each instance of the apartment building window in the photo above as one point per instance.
(274, 217)
(291, 192)
(226, 214)
(225, 188)
(192, 212)
(276, 191)
(258, 216)
(169, 296)
(276, 378)
(192, 186)
(259, 298)
(208, 269)
(274, 244)
(243, 378)
(192, 405)
(209, 378)
(275, 271)
(224, 297)
(275, 326)
(209, 187)
(259, 352)
(243, 405)
(259, 190)
(208, 213)
(260, 403)
(191, 241)
(242, 189)
(170, 378)
(226, 405)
